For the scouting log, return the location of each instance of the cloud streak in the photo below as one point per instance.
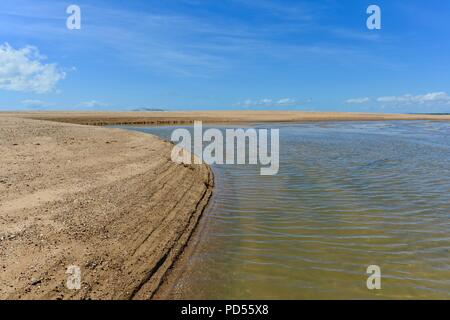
(431, 101)
(358, 100)
(185, 43)
(433, 97)
(93, 104)
(283, 102)
(33, 103)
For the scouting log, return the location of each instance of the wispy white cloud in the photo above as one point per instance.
(357, 100)
(359, 35)
(283, 102)
(25, 70)
(410, 102)
(433, 97)
(183, 42)
(67, 105)
(93, 104)
(297, 11)
(33, 103)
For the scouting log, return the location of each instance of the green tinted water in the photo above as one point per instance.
(348, 195)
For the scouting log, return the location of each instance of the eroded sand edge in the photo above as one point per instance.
(107, 200)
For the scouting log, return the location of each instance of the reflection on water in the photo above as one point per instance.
(348, 195)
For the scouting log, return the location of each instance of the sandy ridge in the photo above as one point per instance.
(174, 118)
(107, 200)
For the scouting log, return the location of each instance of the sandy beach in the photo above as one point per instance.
(107, 200)
(174, 118)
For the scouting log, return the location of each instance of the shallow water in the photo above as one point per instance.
(348, 195)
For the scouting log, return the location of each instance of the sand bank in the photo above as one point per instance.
(107, 200)
(145, 118)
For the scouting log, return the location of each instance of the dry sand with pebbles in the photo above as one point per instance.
(107, 200)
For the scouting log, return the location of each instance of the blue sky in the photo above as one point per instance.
(225, 54)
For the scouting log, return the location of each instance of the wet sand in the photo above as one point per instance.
(107, 200)
(173, 118)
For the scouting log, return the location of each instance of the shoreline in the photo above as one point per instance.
(213, 117)
(170, 289)
(107, 200)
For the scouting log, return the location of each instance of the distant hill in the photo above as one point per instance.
(434, 114)
(148, 109)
